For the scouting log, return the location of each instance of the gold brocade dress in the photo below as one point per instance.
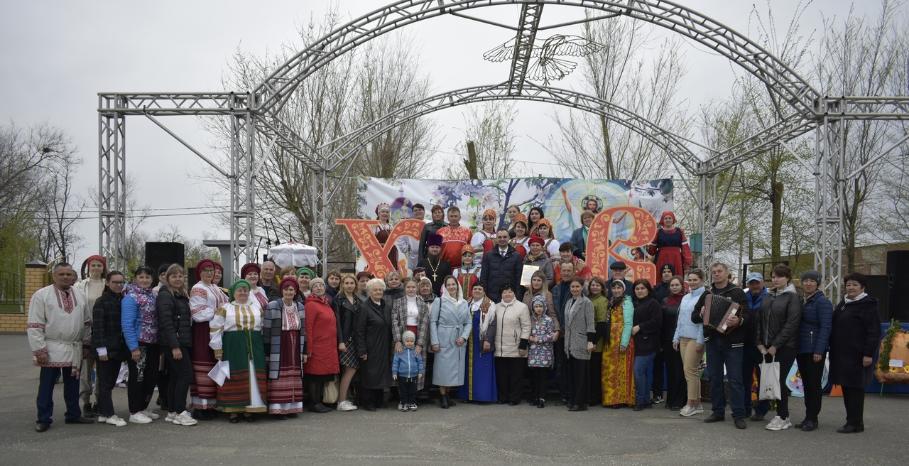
(617, 374)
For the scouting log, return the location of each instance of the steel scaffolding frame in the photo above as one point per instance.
(260, 113)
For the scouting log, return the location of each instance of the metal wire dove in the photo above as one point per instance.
(545, 64)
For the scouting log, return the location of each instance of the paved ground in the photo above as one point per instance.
(463, 434)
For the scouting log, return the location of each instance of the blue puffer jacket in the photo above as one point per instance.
(817, 320)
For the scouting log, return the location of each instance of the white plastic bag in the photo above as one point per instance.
(770, 381)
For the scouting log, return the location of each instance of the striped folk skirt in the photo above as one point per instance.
(243, 391)
(285, 394)
(203, 389)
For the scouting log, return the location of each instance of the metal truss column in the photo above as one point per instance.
(830, 186)
(242, 189)
(707, 207)
(111, 182)
(523, 46)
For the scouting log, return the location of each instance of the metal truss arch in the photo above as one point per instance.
(780, 78)
(341, 150)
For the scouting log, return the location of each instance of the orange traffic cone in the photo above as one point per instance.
(836, 390)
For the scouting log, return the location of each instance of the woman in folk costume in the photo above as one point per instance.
(484, 239)
(480, 370)
(551, 245)
(283, 330)
(617, 374)
(383, 231)
(410, 312)
(93, 271)
(236, 338)
(449, 329)
(204, 299)
(468, 273)
(323, 331)
(250, 272)
(520, 239)
(670, 245)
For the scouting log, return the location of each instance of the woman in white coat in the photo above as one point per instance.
(509, 333)
(450, 326)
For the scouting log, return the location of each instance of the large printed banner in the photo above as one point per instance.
(627, 213)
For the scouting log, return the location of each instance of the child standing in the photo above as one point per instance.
(407, 369)
(539, 356)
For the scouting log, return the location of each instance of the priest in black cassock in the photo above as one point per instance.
(436, 268)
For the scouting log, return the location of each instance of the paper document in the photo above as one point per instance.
(220, 372)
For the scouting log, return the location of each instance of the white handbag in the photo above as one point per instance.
(770, 380)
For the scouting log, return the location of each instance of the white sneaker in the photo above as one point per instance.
(115, 421)
(101, 419)
(778, 423)
(184, 419)
(401, 407)
(413, 407)
(151, 414)
(139, 418)
(346, 406)
(170, 417)
(688, 411)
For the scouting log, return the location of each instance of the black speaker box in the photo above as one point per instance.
(898, 277)
(879, 288)
(158, 254)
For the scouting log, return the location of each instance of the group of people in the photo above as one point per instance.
(279, 339)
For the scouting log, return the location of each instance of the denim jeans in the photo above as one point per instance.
(718, 356)
(45, 402)
(643, 378)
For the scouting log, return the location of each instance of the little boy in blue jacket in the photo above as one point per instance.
(407, 369)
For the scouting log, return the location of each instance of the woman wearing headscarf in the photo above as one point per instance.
(468, 273)
(485, 238)
(425, 292)
(284, 333)
(410, 312)
(670, 245)
(480, 372)
(139, 320)
(545, 230)
(236, 338)
(854, 340)
(323, 344)
(347, 305)
(304, 275)
(204, 299)
(372, 337)
(250, 272)
(537, 256)
(618, 358)
(449, 329)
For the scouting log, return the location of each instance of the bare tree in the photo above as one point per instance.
(351, 91)
(862, 57)
(621, 72)
(489, 127)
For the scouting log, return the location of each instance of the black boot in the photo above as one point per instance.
(443, 402)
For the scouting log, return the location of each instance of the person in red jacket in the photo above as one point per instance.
(323, 344)
(454, 237)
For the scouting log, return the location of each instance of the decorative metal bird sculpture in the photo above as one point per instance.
(545, 64)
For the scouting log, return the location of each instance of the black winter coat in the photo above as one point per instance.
(499, 270)
(174, 320)
(648, 315)
(856, 334)
(372, 337)
(346, 313)
(781, 313)
(106, 329)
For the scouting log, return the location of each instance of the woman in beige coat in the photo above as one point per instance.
(509, 333)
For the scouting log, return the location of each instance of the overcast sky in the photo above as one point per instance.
(57, 55)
